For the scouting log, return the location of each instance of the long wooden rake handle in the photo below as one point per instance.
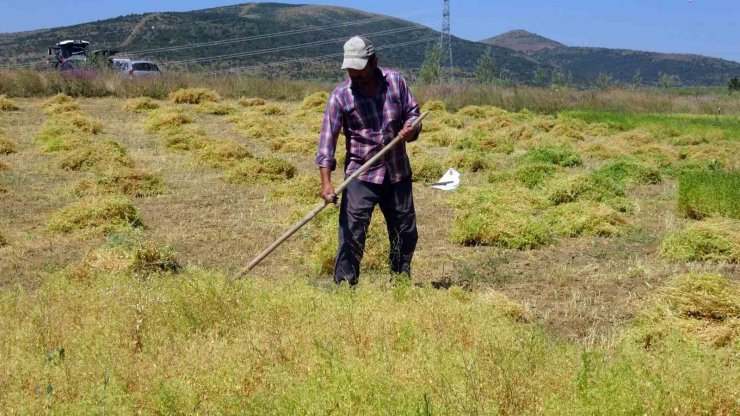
(322, 204)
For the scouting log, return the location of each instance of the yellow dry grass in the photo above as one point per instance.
(194, 96)
(139, 105)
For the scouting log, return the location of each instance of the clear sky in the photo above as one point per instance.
(706, 27)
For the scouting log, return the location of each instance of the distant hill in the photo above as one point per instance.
(165, 37)
(586, 64)
(523, 41)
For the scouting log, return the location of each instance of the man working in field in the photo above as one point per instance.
(373, 106)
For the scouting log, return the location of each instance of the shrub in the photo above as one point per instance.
(97, 215)
(7, 104)
(194, 96)
(270, 168)
(219, 109)
(315, 101)
(251, 102)
(6, 147)
(138, 105)
(711, 239)
(561, 156)
(709, 193)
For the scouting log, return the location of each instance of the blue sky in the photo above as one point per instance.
(706, 27)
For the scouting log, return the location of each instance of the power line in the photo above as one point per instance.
(291, 47)
(314, 58)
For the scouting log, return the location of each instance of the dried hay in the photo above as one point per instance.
(316, 101)
(434, 105)
(62, 108)
(560, 156)
(585, 218)
(218, 109)
(251, 102)
(96, 215)
(270, 168)
(620, 174)
(178, 138)
(6, 147)
(60, 98)
(131, 182)
(98, 156)
(3, 167)
(167, 118)
(426, 169)
(504, 215)
(223, 153)
(259, 126)
(301, 189)
(469, 161)
(715, 239)
(702, 306)
(81, 123)
(300, 144)
(7, 104)
(141, 259)
(194, 96)
(473, 111)
(141, 104)
(273, 110)
(505, 306)
(3, 239)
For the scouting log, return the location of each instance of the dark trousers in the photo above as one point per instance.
(358, 201)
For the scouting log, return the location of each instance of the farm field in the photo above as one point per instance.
(588, 264)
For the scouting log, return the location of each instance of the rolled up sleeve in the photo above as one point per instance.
(411, 107)
(330, 128)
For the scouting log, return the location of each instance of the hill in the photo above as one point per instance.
(586, 64)
(523, 41)
(258, 34)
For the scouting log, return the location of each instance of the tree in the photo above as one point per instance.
(734, 85)
(603, 81)
(540, 77)
(484, 71)
(667, 80)
(430, 70)
(637, 79)
(561, 79)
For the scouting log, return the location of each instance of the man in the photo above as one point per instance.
(373, 106)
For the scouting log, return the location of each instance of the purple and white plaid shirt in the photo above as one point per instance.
(369, 124)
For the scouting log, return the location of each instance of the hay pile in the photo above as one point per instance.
(315, 101)
(139, 105)
(715, 239)
(194, 96)
(166, 119)
(96, 215)
(6, 147)
(251, 102)
(129, 181)
(268, 168)
(705, 307)
(218, 109)
(7, 104)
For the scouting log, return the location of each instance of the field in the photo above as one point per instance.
(588, 264)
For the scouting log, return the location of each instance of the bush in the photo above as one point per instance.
(704, 194)
(194, 96)
(96, 215)
(712, 239)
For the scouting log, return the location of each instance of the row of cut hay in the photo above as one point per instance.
(178, 132)
(195, 343)
(104, 206)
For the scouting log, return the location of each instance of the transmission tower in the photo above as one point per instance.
(445, 43)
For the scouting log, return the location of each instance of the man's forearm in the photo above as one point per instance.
(325, 175)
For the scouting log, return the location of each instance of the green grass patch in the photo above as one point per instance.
(709, 193)
(665, 125)
(561, 156)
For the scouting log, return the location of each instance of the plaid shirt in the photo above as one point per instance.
(369, 124)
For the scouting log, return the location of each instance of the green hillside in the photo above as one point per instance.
(401, 43)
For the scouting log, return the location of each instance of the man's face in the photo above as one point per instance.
(361, 77)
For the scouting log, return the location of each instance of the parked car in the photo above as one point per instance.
(135, 68)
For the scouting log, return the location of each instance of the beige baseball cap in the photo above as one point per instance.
(357, 51)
